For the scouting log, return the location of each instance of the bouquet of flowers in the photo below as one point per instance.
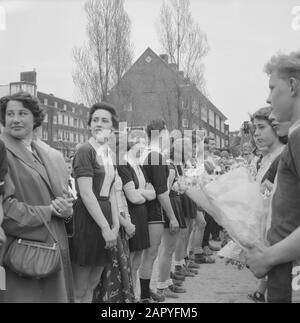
(235, 202)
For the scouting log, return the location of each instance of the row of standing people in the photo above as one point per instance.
(97, 263)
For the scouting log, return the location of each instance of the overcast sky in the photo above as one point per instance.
(242, 36)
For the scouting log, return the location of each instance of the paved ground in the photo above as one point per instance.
(219, 283)
(216, 283)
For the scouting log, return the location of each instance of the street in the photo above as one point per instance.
(216, 283)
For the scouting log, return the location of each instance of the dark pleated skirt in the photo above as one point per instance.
(87, 246)
(178, 211)
(189, 207)
(140, 240)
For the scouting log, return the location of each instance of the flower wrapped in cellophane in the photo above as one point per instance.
(235, 202)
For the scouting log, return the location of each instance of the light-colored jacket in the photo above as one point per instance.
(29, 189)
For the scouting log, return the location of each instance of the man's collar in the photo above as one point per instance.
(294, 127)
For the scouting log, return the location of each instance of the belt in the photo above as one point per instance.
(99, 198)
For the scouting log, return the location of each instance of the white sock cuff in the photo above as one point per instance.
(179, 263)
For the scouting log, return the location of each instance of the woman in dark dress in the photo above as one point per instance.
(95, 210)
(183, 265)
(116, 282)
(180, 148)
(137, 191)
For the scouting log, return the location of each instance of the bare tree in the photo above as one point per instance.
(108, 52)
(122, 52)
(183, 40)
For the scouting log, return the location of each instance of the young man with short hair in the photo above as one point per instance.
(157, 172)
(284, 235)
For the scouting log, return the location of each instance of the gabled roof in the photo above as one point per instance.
(150, 52)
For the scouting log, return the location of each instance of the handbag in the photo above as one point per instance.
(32, 259)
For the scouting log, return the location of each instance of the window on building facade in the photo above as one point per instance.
(204, 115)
(66, 121)
(75, 137)
(46, 117)
(222, 126)
(15, 88)
(46, 101)
(54, 119)
(71, 121)
(73, 110)
(65, 107)
(75, 123)
(184, 104)
(60, 135)
(185, 123)
(218, 124)
(60, 118)
(55, 135)
(148, 59)
(211, 118)
(195, 108)
(129, 107)
(218, 141)
(55, 104)
(22, 87)
(71, 136)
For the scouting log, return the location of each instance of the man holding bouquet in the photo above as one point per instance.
(284, 234)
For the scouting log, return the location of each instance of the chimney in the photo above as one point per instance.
(164, 57)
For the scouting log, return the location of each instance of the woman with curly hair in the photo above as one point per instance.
(33, 196)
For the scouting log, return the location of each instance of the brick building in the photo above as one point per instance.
(65, 124)
(153, 88)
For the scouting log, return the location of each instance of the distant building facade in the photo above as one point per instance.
(65, 125)
(152, 88)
